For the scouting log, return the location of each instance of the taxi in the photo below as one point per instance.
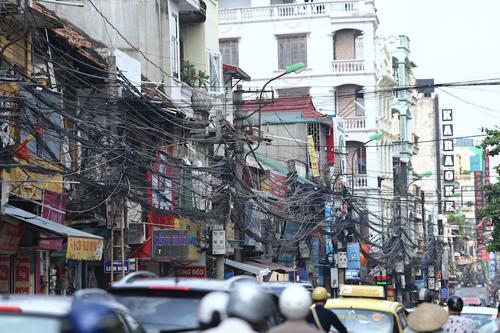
(365, 309)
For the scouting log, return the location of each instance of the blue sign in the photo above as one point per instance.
(352, 274)
(444, 293)
(419, 284)
(328, 229)
(117, 266)
(353, 256)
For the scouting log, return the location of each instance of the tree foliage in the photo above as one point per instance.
(492, 208)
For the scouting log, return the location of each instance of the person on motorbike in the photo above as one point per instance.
(428, 318)
(212, 309)
(248, 308)
(457, 323)
(294, 304)
(323, 319)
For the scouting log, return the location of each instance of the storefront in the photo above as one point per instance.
(27, 242)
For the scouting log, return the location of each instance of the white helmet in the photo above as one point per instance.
(295, 301)
(213, 309)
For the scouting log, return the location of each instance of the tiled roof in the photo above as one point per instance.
(287, 110)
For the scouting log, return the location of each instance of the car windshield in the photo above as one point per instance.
(162, 313)
(357, 320)
(16, 323)
(479, 319)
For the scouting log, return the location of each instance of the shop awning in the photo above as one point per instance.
(257, 265)
(242, 266)
(81, 245)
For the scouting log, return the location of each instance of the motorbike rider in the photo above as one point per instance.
(294, 304)
(424, 296)
(212, 309)
(428, 318)
(248, 307)
(91, 317)
(457, 323)
(321, 317)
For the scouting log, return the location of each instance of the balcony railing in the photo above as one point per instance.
(327, 9)
(355, 123)
(348, 66)
(360, 181)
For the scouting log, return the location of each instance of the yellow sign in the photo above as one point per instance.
(84, 248)
(362, 291)
(194, 237)
(312, 156)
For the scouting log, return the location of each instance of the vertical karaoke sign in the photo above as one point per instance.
(448, 159)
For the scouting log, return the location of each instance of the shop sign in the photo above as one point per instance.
(313, 160)
(430, 283)
(4, 274)
(353, 256)
(53, 209)
(117, 266)
(10, 236)
(352, 274)
(84, 248)
(218, 242)
(190, 271)
(170, 243)
(22, 285)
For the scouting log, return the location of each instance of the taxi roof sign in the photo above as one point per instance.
(362, 291)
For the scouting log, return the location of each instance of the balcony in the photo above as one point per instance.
(402, 150)
(317, 9)
(192, 11)
(360, 181)
(348, 66)
(355, 123)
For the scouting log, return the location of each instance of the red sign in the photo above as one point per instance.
(22, 285)
(10, 236)
(4, 274)
(190, 271)
(53, 209)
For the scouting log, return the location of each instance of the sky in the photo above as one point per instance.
(452, 41)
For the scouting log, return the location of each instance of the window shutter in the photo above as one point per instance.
(229, 51)
(292, 49)
(235, 57)
(281, 52)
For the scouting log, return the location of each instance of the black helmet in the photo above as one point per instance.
(455, 303)
(424, 296)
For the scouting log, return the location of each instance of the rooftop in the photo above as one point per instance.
(286, 110)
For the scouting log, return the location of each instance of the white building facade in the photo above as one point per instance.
(336, 40)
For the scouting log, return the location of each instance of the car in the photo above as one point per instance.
(361, 306)
(279, 287)
(49, 314)
(171, 304)
(481, 315)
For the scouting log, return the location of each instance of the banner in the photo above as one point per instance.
(312, 156)
(53, 209)
(22, 282)
(10, 236)
(4, 274)
(84, 248)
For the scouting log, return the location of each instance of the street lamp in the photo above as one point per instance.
(372, 137)
(295, 68)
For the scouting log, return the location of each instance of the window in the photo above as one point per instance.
(215, 72)
(175, 46)
(291, 50)
(229, 51)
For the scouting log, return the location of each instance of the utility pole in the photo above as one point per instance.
(115, 209)
(239, 154)
(424, 222)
